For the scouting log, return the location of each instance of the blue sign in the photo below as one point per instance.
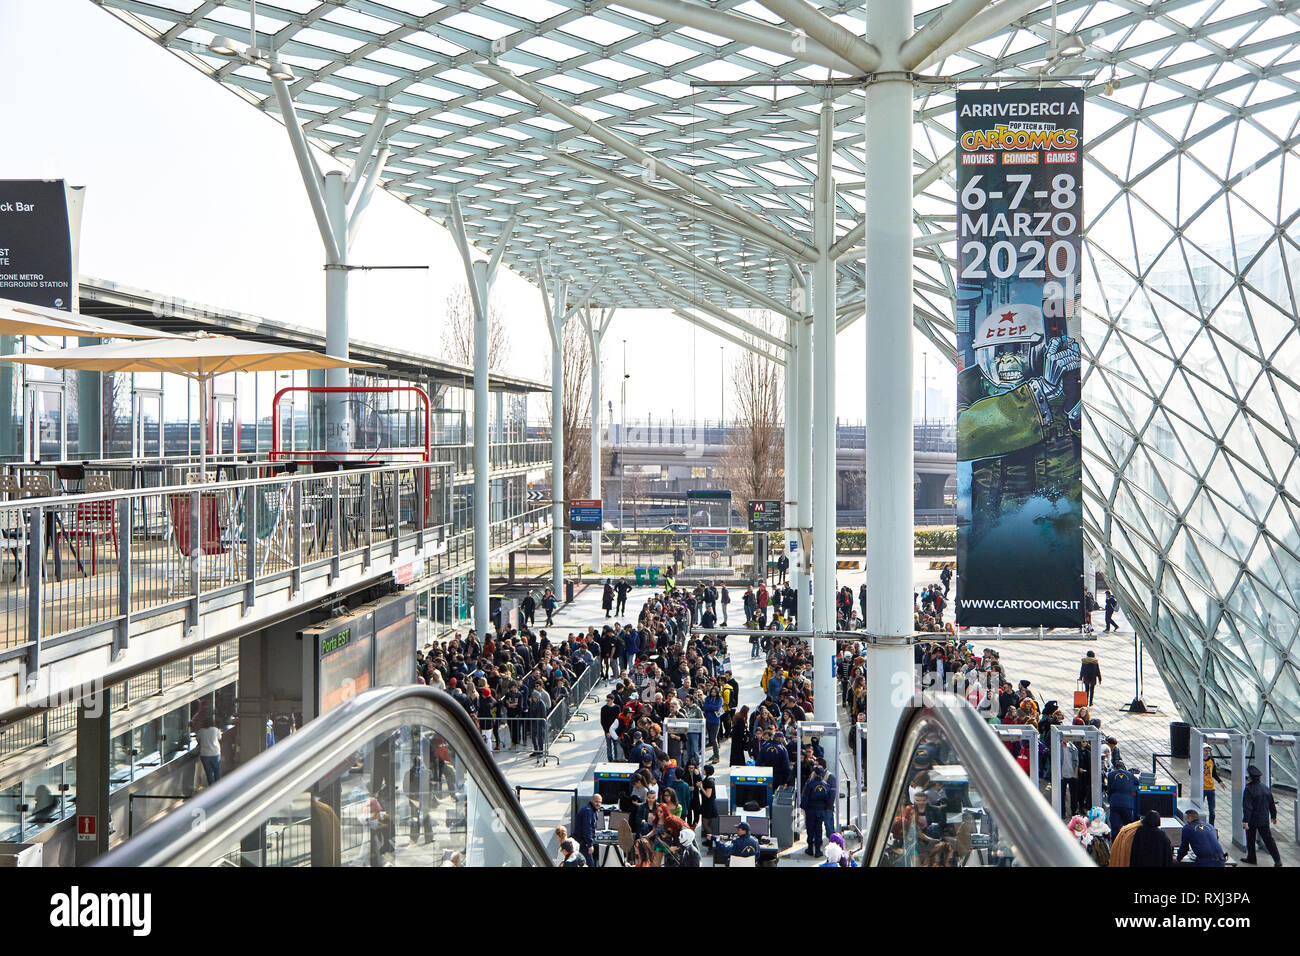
(585, 515)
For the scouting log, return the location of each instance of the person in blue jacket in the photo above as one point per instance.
(633, 646)
(642, 753)
(818, 803)
(1202, 840)
(1121, 784)
(775, 755)
(712, 708)
(744, 845)
(588, 817)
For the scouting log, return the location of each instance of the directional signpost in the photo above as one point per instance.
(765, 516)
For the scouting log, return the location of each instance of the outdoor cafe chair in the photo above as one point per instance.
(95, 520)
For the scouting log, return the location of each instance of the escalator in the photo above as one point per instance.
(955, 797)
(393, 777)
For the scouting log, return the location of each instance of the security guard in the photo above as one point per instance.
(818, 804)
(1122, 785)
(1258, 808)
(775, 755)
(744, 845)
(1202, 840)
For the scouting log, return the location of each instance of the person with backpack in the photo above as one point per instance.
(1112, 606)
(684, 853)
(548, 605)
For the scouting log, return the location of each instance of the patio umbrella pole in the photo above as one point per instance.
(203, 429)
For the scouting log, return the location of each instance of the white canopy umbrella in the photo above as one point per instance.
(20, 318)
(197, 356)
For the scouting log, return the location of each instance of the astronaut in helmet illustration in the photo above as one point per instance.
(1017, 421)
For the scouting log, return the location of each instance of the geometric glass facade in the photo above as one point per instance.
(1191, 267)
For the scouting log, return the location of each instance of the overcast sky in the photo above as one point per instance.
(192, 192)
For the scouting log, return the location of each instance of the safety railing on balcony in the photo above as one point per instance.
(460, 545)
(76, 563)
(501, 455)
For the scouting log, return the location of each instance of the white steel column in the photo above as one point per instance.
(558, 517)
(790, 459)
(803, 455)
(338, 422)
(823, 422)
(594, 332)
(889, 466)
(482, 441)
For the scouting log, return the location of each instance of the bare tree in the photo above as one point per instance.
(575, 414)
(458, 331)
(754, 460)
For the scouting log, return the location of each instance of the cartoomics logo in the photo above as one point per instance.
(1005, 137)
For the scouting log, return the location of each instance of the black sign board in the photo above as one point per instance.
(35, 247)
(765, 516)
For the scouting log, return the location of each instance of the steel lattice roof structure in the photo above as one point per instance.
(596, 135)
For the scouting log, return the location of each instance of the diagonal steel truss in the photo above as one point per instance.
(698, 198)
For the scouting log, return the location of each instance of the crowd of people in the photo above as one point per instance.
(671, 676)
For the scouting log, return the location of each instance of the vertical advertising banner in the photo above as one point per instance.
(1019, 474)
(35, 246)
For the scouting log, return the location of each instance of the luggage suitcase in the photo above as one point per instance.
(1080, 695)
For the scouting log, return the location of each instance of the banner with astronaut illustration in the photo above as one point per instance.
(1019, 477)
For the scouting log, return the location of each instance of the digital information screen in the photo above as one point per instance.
(395, 641)
(343, 657)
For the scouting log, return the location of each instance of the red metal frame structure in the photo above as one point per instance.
(277, 454)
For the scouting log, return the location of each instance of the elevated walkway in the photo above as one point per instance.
(97, 587)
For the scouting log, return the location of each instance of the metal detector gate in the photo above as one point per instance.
(828, 734)
(1264, 741)
(1199, 737)
(1027, 735)
(693, 729)
(1061, 734)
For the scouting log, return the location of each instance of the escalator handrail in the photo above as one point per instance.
(221, 814)
(1016, 804)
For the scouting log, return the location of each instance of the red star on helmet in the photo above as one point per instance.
(1007, 317)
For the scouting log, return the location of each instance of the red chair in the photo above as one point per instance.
(94, 520)
(178, 506)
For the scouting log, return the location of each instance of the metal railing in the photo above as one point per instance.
(510, 454)
(76, 562)
(1039, 837)
(45, 728)
(253, 794)
(460, 546)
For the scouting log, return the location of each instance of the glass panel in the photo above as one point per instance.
(402, 800)
(939, 818)
(46, 439)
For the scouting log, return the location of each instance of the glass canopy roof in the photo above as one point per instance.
(1192, 267)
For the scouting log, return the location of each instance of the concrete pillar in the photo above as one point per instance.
(889, 466)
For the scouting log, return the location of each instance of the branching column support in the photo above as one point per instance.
(330, 196)
(480, 274)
